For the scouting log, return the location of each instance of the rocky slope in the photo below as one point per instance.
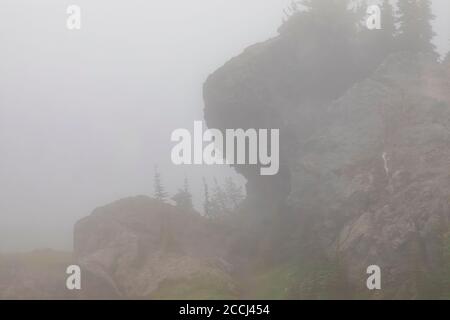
(141, 248)
(40, 274)
(364, 179)
(366, 176)
(135, 248)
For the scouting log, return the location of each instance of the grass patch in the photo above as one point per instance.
(307, 280)
(274, 284)
(197, 287)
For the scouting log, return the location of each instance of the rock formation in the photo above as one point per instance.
(135, 246)
(366, 175)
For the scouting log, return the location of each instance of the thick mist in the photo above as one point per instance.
(85, 115)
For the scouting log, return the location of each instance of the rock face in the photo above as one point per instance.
(134, 247)
(366, 176)
(389, 173)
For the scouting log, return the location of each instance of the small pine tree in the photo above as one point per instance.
(416, 30)
(234, 194)
(218, 200)
(207, 200)
(389, 30)
(183, 198)
(159, 191)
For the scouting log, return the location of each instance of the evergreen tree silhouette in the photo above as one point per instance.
(183, 198)
(388, 28)
(234, 194)
(207, 200)
(416, 30)
(218, 201)
(159, 191)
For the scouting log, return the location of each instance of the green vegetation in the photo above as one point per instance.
(198, 287)
(311, 280)
(159, 190)
(183, 198)
(275, 283)
(288, 281)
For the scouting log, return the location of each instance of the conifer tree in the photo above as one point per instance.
(159, 191)
(218, 200)
(234, 194)
(207, 200)
(416, 30)
(388, 28)
(183, 198)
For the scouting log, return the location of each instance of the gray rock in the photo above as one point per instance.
(130, 247)
(366, 175)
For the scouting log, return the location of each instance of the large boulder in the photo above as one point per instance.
(137, 247)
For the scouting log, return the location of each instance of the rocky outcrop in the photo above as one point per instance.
(364, 180)
(389, 173)
(365, 176)
(134, 247)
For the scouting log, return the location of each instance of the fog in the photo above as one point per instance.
(85, 115)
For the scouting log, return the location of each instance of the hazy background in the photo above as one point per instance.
(85, 115)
